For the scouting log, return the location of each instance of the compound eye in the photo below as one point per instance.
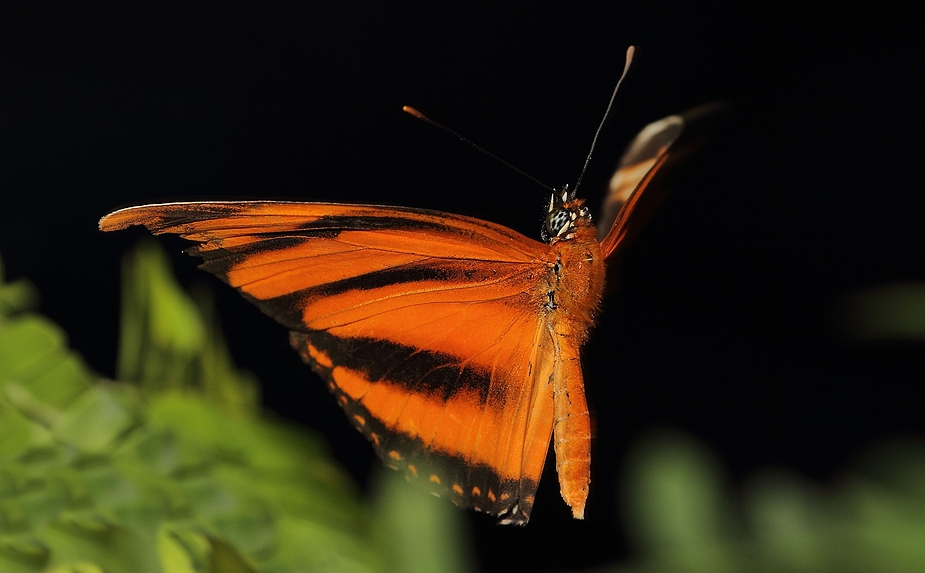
(557, 222)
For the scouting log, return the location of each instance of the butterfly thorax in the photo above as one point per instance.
(576, 275)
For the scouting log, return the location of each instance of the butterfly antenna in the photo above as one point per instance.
(411, 111)
(629, 60)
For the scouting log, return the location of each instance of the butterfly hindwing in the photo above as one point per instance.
(467, 435)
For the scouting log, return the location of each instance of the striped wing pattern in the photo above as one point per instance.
(388, 317)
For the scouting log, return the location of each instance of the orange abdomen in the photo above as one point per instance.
(577, 292)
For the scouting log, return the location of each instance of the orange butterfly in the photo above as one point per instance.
(451, 343)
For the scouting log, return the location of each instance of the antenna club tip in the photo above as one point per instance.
(411, 111)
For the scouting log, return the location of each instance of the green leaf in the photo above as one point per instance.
(416, 531)
(169, 340)
(787, 516)
(16, 296)
(34, 354)
(97, 418)
(74, 542)
(676, 496)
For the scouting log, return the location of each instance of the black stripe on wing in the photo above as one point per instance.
(289, 309)
(221, 261)
(336, 224)
(432, 373)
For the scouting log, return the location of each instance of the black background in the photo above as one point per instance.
(722, 326)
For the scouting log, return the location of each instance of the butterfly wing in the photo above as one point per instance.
(623, 210)
(424, 325)
(660, 146)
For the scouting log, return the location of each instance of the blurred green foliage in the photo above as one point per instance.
(684, 517)
(889, 312)
(175, 469)
(170, 340)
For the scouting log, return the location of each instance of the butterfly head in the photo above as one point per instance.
(563, 214)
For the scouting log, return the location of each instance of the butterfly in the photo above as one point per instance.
(452, 343)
